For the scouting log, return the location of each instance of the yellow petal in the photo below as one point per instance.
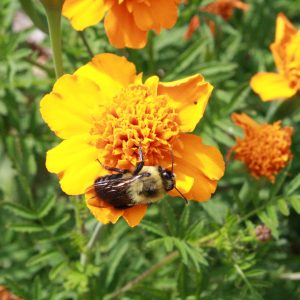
(84, 13)
(110, 72)
(284, 29)
(271, 86)
(189, 96)
(67, 109)
(75, 160)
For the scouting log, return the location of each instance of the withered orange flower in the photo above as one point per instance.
(6, 294)
(265, 148)
(286, 53)
(222, 8)
(105, 111)
(126, 22)
(193, 25)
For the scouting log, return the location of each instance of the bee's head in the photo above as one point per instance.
(168, 178)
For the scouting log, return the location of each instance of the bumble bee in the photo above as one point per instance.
(145, 185)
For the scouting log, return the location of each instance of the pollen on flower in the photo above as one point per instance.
(135, 118)
(265, 148)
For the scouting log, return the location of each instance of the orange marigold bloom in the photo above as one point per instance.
(265, 148)
(286, 53)
(7, 295)
(222, 8)
(104, 112)
(126, 22)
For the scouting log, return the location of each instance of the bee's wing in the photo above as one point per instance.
(114, 190)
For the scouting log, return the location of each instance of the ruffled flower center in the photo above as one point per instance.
(135, 117)
(265, 149)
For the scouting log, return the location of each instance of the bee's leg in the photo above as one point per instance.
(117, 170)
(140, 164)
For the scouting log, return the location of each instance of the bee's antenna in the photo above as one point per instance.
(186, 201)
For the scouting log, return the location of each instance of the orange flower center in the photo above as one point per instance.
(135, 118)
(265, 149)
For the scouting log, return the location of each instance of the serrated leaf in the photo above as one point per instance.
(283, 207)
(180, 245)
(43, 257)
(194, 231)
(46, 206)
(153, 228)
(184, 220)
(168, 242)
(37, 289)
(292, 185)
(117, 258)
(169, 216)
(272, 213)
(57, 223)
(57, 270)
(20, 210)
(26, 227)
(295, 202)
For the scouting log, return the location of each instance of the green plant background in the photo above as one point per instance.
(196, 251)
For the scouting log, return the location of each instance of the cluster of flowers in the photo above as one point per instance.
(105, 111)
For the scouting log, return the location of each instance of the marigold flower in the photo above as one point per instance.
(222, 8)
(285, 50)
(104, 112)
(265, 148)
(126, 22)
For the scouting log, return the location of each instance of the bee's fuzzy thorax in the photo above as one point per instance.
(148, 189)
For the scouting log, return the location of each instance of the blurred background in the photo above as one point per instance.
(244, 243)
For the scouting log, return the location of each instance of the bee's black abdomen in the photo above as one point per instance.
(113, 189)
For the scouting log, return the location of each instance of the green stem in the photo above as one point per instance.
(54, 24)
(165, 260)
(90, 244)
(86, 43)
(286, 108)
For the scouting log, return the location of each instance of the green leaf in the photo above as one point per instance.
(42, 258)
(46, 206)
(295, 202)
(117, 258)
(58, 270)
(272, 213)
(184, 220)
(194, 231)
(283, 207)
(26, 227)
(292, 185)
(169, 217)
(180, 245)
(37, 289)
(153, 228)
(20, 210)
(169, 244)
